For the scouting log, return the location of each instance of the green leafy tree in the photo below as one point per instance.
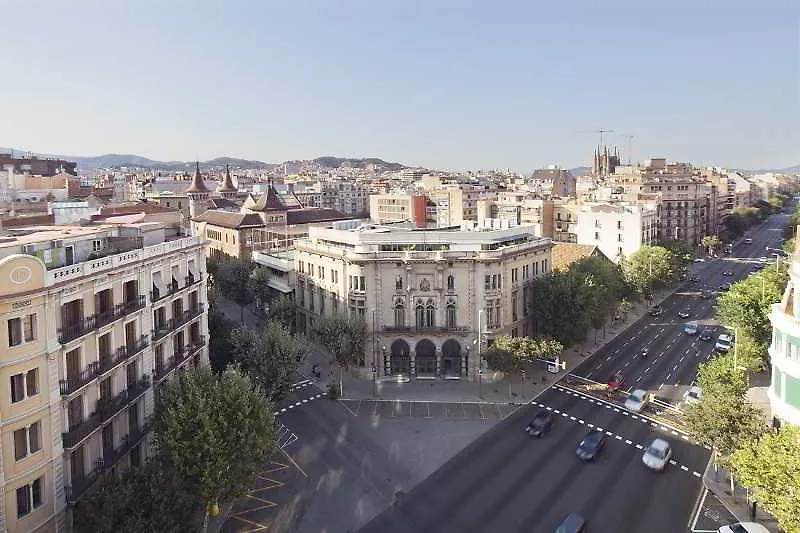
(233, 280)
(650, 268)
(527, 349)
(719, 377)
(770, 467)
(344, 336)
(711, 243)
(220, 348)
(505, 361)
(149, 498)
(270, 357)
(623, 308)
(258, 285)
(282, 309)
(217, 432)
(724, 422)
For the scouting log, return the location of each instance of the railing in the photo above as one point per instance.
(134, 436)
(162, 329)
(71, 384)
(427, 329)
(191, 280)
(396, 328)
(70, 332)
(133, 305)
(196, 344)
(162, 369)
(78, 487)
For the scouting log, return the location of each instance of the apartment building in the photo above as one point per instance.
(554, 181)
(428, 297)
(97, 318)
(345, 196)
(519, 209)
(618, 230)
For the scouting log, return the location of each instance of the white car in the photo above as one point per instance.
(724, 342)
(743, 527)
(657, 455)
(690, 328)
(748, 241)
(637, 401)
(693, 395)
(699, 260)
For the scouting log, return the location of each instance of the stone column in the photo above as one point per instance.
(413, 364)
(438, 362)
(465, 363)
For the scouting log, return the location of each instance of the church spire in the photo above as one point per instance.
(197, 186)
(227, 184)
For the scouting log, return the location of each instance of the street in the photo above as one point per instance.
(506, 481)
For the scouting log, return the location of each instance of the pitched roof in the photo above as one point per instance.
(310, 215)
(197, 183)
(129, 208)
(565, 253)
(228, 219)
(222, 203)
(227, 183)
(269, 201)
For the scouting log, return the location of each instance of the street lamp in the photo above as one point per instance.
(778, 256)
(480, 360)
(374, 353)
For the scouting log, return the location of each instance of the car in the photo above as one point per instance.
(656, 310)
(637, 401)
(707, 335)
(694, 279)
(540, 425)
(724, 287)
(743, 527)
(690, 328)
(727, 273)
(591, 445)
(657, 455)
(755, 268)
(748, 241)
(572, 523)
(684, 313)
(693, 395)
(763, 259)
(699, 260)
(615, 381)
(705, 295)
(724, 342)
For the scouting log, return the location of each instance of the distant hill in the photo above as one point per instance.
(580, 171)
(336, 162)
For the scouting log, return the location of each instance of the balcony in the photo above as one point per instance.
(396, 328)
(196, 344)
(79, 486)
(134, 436)
(70, 385)
(162, 369)
(132, 305)
(426, 329)
(122, 353)
(191, 279)
(162, 329)
(78, 329)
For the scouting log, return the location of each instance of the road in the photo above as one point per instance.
(507, 482)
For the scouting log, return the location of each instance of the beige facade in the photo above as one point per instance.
(94, 322)
(425, 295)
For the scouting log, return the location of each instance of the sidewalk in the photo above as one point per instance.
(718, 482)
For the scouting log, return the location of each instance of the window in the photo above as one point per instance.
(97, 245)
(27, 440)
(487, 282)
(451, 283)
(450, 315)
(21, 329)
(300, 267)
(430, 314)
(24, 385)
(596, 236)
(398, 283)
(399, 314)
(514, 275)
(29, 497)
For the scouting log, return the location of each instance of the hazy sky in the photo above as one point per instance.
(445, 84)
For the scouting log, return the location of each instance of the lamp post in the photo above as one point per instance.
(480, 360)
(778, 256)
(374, 354)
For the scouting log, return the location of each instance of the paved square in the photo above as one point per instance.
(490, 412)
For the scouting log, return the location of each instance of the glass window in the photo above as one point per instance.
(17, 388)
(15, 332)
(32, 382)
(20, 444)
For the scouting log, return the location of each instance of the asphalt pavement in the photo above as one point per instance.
(507, 482)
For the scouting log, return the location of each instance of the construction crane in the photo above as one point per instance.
(601, 132)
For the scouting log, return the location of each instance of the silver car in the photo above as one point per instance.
(657, 455)
(637, 401)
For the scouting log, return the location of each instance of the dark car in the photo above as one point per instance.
(591, 445)
(694, 279)
(707, 335)
(572, 523)
(656, 310)
(724, 287)
(541, 424)
(705, 295)
(615, 381)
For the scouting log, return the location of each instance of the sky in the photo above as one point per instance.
(445, 84)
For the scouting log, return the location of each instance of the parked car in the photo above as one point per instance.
(656, 310)
(684, 313)
(690, 328)
(707, 335)
(541, 424)
(724, 342)
(693, 395)
(591, 445)
(637, 401)
(572, 523)
(743, 527)
(657, 455)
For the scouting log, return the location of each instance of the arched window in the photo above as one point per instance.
(399, 314)
(450, 315)
(451, 283)
(420, 315)
(430, 314)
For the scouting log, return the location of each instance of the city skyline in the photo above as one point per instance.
(439, 85)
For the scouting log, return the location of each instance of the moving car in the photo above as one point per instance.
(540, 425)
(699, 260)
(657, 455)
(656, 310)
(572, 523)
(724, 287)
(707, 335)
(684, 313)
(748, 241)
(690, 328)
(694, 279)
(724, 342)
(743, 527)
(693, 395)
(637, 401)
(727, 273)
(615, 381)
(591, 445)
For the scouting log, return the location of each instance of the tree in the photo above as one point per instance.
(770, 467)
(344, 336)
(527, 349)
(649, 268)
(282, 309)
(623, 308)
(723, 422)
(217, 432)
(149, 498)
(233, 280)
(711, 243)
(718, 377)
(258, 285)
(505, 361)
(270, 357)
(219, 343)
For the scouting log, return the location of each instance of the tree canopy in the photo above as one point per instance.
(724, 422)
(528, 349)
(217, 432)
(344, 336)
(718, 377)
(650, 268)
(711, 243)
(770, 467)
(220, 348)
